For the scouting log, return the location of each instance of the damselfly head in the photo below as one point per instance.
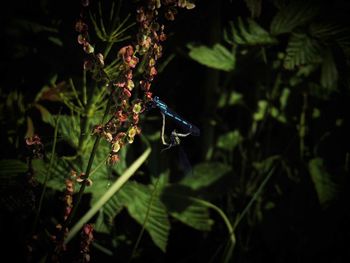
(149, 105)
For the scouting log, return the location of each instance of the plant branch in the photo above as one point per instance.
(110, 192)
(87, 172)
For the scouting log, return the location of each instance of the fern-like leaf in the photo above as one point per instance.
(146, 209)
(329, 72)
(248, 33)
(205, 174)
(179, 202)
(332, 33)
(297, 13)
(301, 50)
(326, 189)
(12, 167)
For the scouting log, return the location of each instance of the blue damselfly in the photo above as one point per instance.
(188, 127)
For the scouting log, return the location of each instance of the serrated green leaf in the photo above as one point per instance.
(59, 172)
(327, 190)
(205, 174)
(113, 207)
(68, 128)
(12, 167)
(331, 32)
(329, 72)
(248, 33)
(142, 203)
(289, 17)
(301, 50)
(101, 225)
(179, 202)
(101, 172)
(217, 57)
(229, 141)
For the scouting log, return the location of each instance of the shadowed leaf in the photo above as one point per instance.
(217, 57)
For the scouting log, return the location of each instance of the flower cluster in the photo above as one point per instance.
(94, 62)
(68, 206)
(123, 126)
(86, 239)
(35, 147)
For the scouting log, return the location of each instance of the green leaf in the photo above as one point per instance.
(45, 114)
(329, 72)
(331, 32)
(179, 202)
(68, 128)
(34, 26)
(59, 172)
(57, 41)
(101, 225)
(229, 141)
(115, 187)
(230, 99)
(121, 166)
(30, 127)
(217, 57)
(326, 189)
(141, 205)
(248, 33)
(301, 50)
(265, 165)
(284, 98)
(297, 13)
(113, 207)
(261, 111)
(12, 167)
(205, 174)
(101, 173)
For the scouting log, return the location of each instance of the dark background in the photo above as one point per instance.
(298, 229)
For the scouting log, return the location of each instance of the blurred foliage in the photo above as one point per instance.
(275, 142)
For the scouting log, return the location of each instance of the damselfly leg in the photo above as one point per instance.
(174, 137)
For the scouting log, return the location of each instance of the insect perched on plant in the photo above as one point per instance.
(189, 128)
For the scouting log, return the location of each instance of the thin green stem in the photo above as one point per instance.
(108, 48)
(70, 105)
(75, 93)
(84, 88)
(255, 196)
(87, 171)
(48, 174)
(227, 222)
(145, 221)
(98, 166)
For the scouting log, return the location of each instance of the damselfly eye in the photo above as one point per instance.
(149, 105)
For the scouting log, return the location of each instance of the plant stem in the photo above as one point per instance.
(255, 196)
(84, 88)
(87, 172)
(47, 175)
(109, 193)
(144, 221)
